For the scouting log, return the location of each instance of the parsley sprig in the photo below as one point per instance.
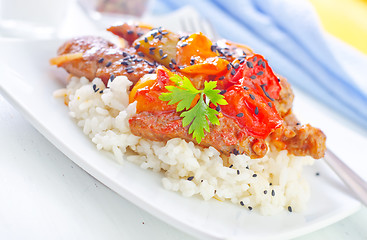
(198, 116)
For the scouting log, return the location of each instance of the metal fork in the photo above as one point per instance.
(348, 176)
(192, 24)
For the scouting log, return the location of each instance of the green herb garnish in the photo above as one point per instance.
(198, 116)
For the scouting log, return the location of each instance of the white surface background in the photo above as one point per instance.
(44, 195)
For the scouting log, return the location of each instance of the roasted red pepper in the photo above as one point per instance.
(254, 73)
(252, 110)
(147, 95)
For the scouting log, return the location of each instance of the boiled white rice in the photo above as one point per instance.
(270, 184)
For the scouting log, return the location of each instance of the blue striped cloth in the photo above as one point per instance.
(288, 34)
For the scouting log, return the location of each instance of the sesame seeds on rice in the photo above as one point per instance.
(186, 168)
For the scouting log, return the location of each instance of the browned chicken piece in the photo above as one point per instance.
(103, 59)
(130, 32)
(300, 140)
(227, 137)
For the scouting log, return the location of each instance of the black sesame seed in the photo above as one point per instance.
(240, 115)
(249, 208)
(217, 108)
(201, 180)
(108, 64)
(254, 175)
(252, 96)
(272, 193)
(154, 34)
(256, 110)
(160, 52)
(130, 70)
(298, 123)
(278, 79)
(145, 39)
(151, 71)
(249, 64)
(184, 37)
(233, 72)
(228, 66)
(139, 60)
(126, 58)
(290, 209)
(101, 91)
(264, 65)
(151, 48)
(130, 32)
(270, 105)
(238, 172)
(94, 87)
(253, 77)
(180, 67)
(183, 44)
(222, 92)
(149, 63)
(236, 152)
(112, 77)
(140, 34)
(231, 166)
(242, 204)
(259, 62)
(164, 56)
(266, 191)
(159, 37)
(171, 65)
(190, 178)
(140, 54)
(137, 46)
(246, 88)
(164, 33)
(173, 61)
(260, 73)
(236, 65)
(151, 52)
(270, 184)
(255, 58)
(124, 54)
(265, 92)
(126, 63)
(101, 60)
(213, 48)
(221, 78)
(317, 174)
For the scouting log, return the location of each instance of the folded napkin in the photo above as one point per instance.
(289, 35)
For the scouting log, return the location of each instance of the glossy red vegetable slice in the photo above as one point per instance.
(252, 110)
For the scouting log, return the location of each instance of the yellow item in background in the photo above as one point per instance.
(345, 19)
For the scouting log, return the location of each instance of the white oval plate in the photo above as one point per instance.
(28, 81)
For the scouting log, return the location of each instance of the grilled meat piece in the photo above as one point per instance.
(102, 59)
(227, 137)
(300, 140)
